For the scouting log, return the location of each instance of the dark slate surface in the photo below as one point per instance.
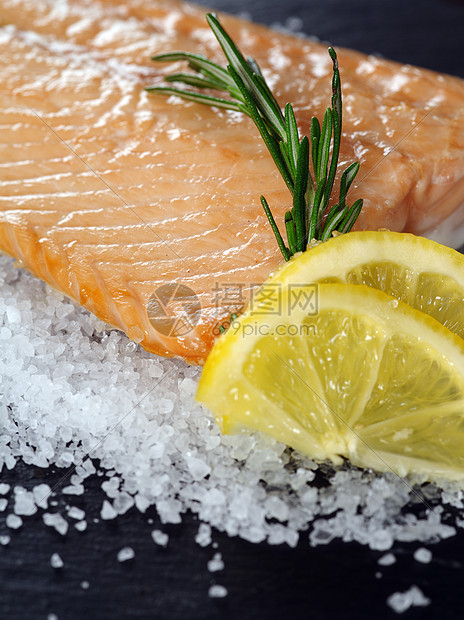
(334, 581)
(428, 33)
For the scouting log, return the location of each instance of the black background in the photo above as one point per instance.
(334, 581)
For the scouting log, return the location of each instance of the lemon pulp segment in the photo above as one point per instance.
(422, 273)
(365, 377)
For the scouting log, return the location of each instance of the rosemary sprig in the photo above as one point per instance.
(310, 216)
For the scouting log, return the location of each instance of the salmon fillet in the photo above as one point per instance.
(111, 194)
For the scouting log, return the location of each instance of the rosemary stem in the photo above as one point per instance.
(299, 204)
(280, 242)
(250, 94)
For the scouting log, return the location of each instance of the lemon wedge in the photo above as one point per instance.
(424, 274)
(344, 371)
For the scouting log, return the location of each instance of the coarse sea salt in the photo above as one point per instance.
(13, 522)
(41, 494)
(402, 601)
(216, 563)
(76, 513)
(217, 591)
(107, 511)
(56, 561)
(203, 536)
(81, 526)
(160, 538)
(24, 503)
(73, 388)
(125, 554)
(57, 521)
(423, 555)
(387, 560)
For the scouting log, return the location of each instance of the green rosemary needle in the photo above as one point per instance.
(310, 216)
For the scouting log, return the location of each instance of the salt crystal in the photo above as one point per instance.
(322, 534)
(65, 459)
(165, 405)
(52, 617)
(56, 561)
(301, 478)
(111, 486)
(41, 494)
(402, 601)
(5, 333)
(24, 503)
(85, 585)
(168, 510)
(387, 560)
(63, 310)
(277, 535)
(160, 538)
(4, 539)
(76, 489)
(155, 371)
(107, 511)
(217, 591)
(56, 521)
(126, 553)
(423, 555)
(291, 537)
(203, 536)
(4, 488)
(276, 508)
(3, 504)
(13, 314)
(76, 513)
(81, 526)
(381, 540)
(13, 522)
(216, 563)
(142, 502)
(197, 467)
(123, 502)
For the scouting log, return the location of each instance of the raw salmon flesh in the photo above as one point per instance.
(137, 206)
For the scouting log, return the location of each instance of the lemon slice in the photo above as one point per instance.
(352, 373)
(422, 273)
